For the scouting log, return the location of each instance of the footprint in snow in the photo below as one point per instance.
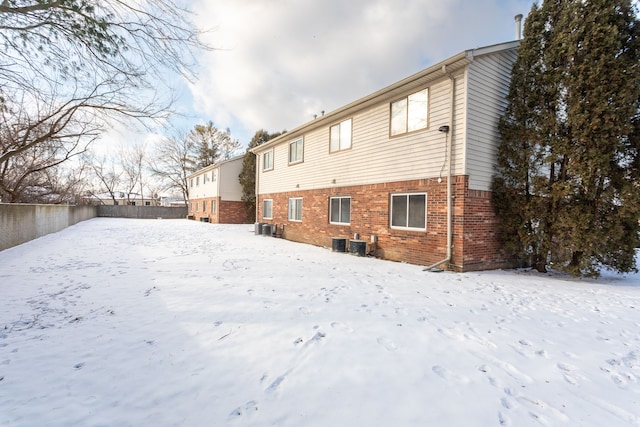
(246, 409)
(387, 344)
(448, 375)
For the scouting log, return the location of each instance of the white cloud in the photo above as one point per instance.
(283, 61)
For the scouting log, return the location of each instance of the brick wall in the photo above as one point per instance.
(475, 244)
(226, 212)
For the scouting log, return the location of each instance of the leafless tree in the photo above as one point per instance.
(173, 160)
(69, 67)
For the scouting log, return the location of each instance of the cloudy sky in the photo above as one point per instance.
(279, 62)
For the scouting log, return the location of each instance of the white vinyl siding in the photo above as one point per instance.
(488, 81)
(267, 209)
(220, 180)
(373, 157)
(295, 209)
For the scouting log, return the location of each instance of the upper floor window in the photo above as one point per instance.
(408, 211)
(410, 113)
(296, 151)
(191, 182)
(197, 180)
(267, 209)
(295, 209)
(213, 176)
(267, 161)
(340, 210)
(340, 136)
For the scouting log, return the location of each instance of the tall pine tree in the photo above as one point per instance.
(247, 175)
(567, 183)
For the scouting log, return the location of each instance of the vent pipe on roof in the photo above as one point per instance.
(518, 19)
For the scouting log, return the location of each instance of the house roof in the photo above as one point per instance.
(434, 72)
(215, 166)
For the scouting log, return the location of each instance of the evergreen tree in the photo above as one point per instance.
(204, 137)
(567, 183)
(248, 174)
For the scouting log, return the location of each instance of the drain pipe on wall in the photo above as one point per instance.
(448, 130)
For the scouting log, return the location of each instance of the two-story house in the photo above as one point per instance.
(408, 168)
(215, 193)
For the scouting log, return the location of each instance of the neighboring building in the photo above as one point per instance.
(121, 199)
(384, 165)
(215, 193)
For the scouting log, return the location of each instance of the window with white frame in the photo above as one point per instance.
(197, 180)
(340, 210)
(191, 182)
(267, 161)
(214, 176)
(204, 206)
(197, 206)
(295, 209)
(213, 206)
(296, 149)
(409, 211)
(267, 209)
(409, 114)
(340, 136)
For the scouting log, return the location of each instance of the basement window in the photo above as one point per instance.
(267, 209)
(409, 211)
(340, 210)
(295, 209)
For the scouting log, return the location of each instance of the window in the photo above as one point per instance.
(267, 161)
(213, 176)
(295, 151)
(147, 203)
(267, 209)
(191, 182)
(409, 211)
(204, 206)
(410, 113)
(213, 206)
(197, 206)
(197, 180)
(340, 136)
(295, 209)
(340, 210)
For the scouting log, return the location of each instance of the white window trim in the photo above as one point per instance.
(263, 213)
(295, 141)
(213, 206)
(340, 197)
(395, 227)
(289, 209)
(264, 167)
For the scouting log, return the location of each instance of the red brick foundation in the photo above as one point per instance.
(475, 242)
(227, 212)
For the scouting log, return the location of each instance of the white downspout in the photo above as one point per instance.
(256, 184)
(448, 130)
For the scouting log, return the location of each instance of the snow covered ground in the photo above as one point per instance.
(117, 322)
